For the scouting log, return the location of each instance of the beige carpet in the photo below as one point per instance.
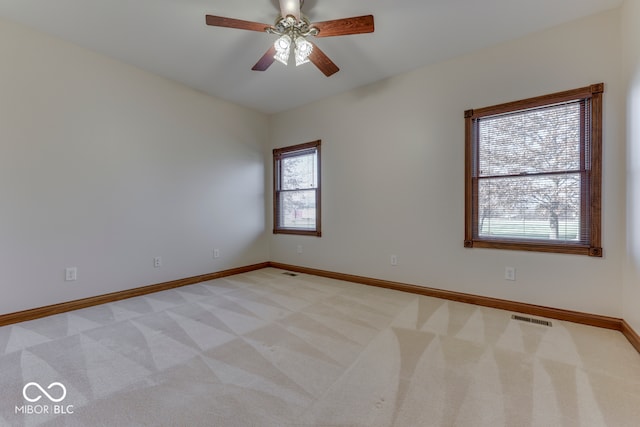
(267, 349)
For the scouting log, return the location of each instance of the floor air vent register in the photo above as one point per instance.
(531, 320)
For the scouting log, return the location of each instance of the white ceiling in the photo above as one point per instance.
(170, 38)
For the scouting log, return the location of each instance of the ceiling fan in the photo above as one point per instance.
(293, 28)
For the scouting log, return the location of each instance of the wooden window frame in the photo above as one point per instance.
(278, 154)
(592, 174)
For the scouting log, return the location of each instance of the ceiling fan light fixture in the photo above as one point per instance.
(283, 47)
(302, 51)
(292, 27)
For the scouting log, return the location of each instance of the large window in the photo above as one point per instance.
(533, 174)
(296, 189)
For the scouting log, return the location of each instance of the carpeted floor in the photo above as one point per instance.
(267, 349)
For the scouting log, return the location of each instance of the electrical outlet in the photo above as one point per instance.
(394, 260)
(70, 274)
(299, 249)
(216, 253)
(510, 273)
(157, 262)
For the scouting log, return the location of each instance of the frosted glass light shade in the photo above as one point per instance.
(303, 50)
(283, 46)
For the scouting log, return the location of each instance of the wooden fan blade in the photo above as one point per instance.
(266, 60)
(322, 61)
(345, 26)
(290, 7)
(219, 21)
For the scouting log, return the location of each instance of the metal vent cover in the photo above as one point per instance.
(531, 320)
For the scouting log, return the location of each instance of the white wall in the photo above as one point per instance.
(630, 13)
(104, 166)
(393, 172)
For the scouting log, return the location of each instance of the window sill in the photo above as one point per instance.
(298, 232)
(535, 247)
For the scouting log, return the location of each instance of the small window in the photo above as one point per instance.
(296, 189)
(533, 174)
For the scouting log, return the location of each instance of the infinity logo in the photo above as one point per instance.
(43, 391)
